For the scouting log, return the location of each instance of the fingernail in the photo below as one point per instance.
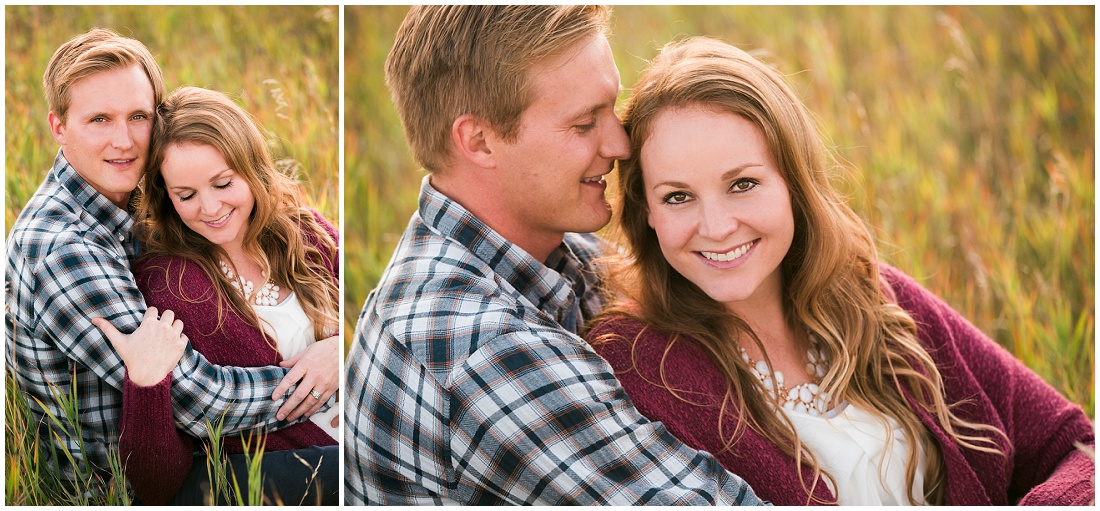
(280, 416)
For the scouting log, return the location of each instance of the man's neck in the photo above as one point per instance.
(471, 196)
(122, 201)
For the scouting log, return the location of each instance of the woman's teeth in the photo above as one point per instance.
(729, 256)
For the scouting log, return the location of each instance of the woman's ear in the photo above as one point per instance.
(470, 134)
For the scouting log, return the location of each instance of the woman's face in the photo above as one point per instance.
(718, 203)
(209, 197)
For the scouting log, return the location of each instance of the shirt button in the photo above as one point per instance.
(122, 238)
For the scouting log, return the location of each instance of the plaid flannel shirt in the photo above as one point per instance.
(466, 383)
(69, 256)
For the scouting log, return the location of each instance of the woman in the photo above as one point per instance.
(251, 273)
(754, 319)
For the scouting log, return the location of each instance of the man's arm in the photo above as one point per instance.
(80, 281)
(544, 420)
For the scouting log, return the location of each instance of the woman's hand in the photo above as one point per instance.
(153, 350)
(316, 371)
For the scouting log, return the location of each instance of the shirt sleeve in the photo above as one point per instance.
(80, 281)
(1040, 422)
(541, 419)
(156, 456)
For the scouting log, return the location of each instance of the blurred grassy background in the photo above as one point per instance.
(968, 133)
(281, 64)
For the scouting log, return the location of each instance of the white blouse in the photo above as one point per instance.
(851, 445)
(292, 330)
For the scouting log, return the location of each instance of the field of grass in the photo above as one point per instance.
(968, 133)
(279, 63)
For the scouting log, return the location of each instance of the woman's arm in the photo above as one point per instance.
(318, 366)
(992, 386)
(156, 456)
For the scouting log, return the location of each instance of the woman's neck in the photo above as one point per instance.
(784, 343)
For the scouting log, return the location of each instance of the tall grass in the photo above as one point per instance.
(28, 480)
(967, 134)
(279, 63)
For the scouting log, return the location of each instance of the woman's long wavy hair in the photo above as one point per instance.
(832, 286)
(274, 237)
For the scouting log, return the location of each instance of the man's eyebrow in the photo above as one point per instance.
(95, 114)
(610, 103)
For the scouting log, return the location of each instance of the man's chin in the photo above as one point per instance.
(593, 223)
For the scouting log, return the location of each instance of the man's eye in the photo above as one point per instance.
(584, 128)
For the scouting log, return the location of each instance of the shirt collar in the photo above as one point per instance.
(102, 210)
(550, 287)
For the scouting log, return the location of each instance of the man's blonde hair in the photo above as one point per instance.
(451, 60)
(92, 52)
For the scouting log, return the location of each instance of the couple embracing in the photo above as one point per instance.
(743, 344)
(168, 275)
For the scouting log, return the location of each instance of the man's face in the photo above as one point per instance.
(105, 136)
(552, 175)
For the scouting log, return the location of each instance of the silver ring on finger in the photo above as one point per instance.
(316, 395)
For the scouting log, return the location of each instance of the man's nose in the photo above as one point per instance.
(122, 137)
(615, 144)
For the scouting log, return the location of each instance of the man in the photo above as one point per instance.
(467, 382)
(69, 254)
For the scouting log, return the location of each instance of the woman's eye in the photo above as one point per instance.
(224, 185)
(676, 198)
(184, 198)
(744, 185)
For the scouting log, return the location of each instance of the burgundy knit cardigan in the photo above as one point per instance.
(989, 385)
(157, 455)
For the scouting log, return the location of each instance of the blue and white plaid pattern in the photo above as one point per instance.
(464, 387)
(69, 256)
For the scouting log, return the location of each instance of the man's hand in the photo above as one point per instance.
(316, 370)
(152, 350)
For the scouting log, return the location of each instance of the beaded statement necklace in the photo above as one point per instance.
(806, 398)
(267, 295)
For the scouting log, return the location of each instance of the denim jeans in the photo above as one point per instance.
(288, 478)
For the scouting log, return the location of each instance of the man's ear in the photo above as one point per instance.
(57, 127)
(470, 134)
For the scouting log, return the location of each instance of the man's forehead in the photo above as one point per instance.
(586, 70)
(125, 88)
